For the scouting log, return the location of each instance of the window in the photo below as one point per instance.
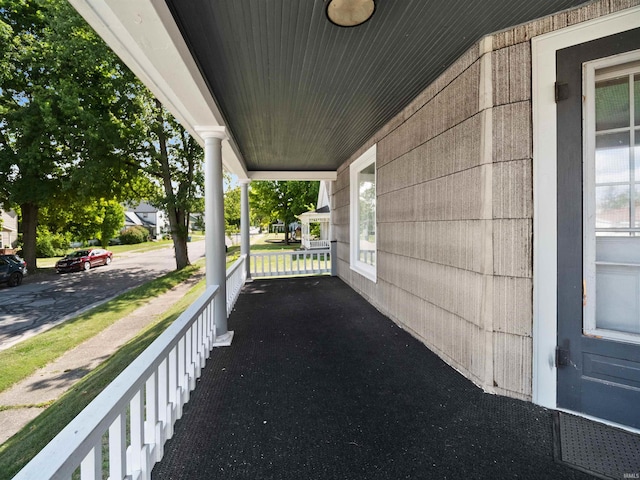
(612, 198)
(362, 176)
(617, 170)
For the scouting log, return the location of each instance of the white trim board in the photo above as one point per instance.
(543, 57)
(293, 175)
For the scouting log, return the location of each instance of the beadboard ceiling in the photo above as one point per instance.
(299, 93)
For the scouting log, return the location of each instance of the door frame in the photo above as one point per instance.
(545, 300)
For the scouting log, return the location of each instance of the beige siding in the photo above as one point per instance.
(455, 210)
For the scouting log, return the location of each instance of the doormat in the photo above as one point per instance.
(595, 448)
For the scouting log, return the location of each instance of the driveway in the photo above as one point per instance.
(47, 300)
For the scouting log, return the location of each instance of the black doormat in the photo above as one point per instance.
(595, 448)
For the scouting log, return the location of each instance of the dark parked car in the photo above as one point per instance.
(84, 260)
(12, 269)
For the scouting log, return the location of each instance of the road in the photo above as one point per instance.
(47, 300)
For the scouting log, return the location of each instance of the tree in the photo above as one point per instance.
(283, 200)
(68, 112)
(83, 220)
(174, 160)
(232, 210)
(111, 220)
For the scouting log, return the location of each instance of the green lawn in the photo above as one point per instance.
(274, 242)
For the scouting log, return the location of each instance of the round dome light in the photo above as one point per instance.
(350, 13)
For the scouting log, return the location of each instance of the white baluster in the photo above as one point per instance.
(118, 447)
(91, 466)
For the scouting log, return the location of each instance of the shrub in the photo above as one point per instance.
(51, 244)
(135, 234)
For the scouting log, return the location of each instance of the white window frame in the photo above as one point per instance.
(590, 75)
(365, 160)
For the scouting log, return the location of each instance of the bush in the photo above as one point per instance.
(49, 244)
(136, 234)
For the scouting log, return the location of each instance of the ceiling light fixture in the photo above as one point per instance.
(350, 13)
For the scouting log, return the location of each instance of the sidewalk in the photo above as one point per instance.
(49, 383)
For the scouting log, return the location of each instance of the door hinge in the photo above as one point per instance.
(562, 357)
(562, 91)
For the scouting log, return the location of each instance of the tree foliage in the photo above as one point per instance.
(68, 112)
(76, 127)
(99, 218)
(283, 200)
(232, 210)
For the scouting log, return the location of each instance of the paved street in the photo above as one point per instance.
(46, 300)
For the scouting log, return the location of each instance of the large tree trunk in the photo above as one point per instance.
(179, 234)
(176, 216)
(29, 224)
(182, 256)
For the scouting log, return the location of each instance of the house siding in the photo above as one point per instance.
(9, 229)
(455, 210)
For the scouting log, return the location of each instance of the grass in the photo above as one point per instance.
(274, 241)
(21, 360)
(22, 447)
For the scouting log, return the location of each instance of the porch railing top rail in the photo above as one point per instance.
(303, 262)
(236, 276)
(315, 244)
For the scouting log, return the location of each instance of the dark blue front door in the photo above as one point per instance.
(598, 108)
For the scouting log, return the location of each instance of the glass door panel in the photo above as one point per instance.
(612, 190)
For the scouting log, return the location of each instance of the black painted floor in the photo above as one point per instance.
(319, 385)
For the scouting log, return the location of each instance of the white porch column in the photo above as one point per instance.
(245, 245)
(215, 252)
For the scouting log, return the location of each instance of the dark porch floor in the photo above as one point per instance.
(319, 385)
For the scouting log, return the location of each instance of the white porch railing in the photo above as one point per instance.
(138, 410)
(303, 262)
(236, 276)
(315, 244)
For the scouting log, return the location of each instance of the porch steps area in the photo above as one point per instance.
(320, 385)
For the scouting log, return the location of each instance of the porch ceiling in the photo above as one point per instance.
(299, 93)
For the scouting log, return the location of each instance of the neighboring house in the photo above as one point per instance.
(9, 230)
(196, 221)
(320, 216)
(459, 215)
(148, 216)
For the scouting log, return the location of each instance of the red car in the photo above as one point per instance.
(84, 260)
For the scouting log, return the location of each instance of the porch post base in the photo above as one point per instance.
(223, 340)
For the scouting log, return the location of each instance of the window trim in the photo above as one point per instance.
(365, 160)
